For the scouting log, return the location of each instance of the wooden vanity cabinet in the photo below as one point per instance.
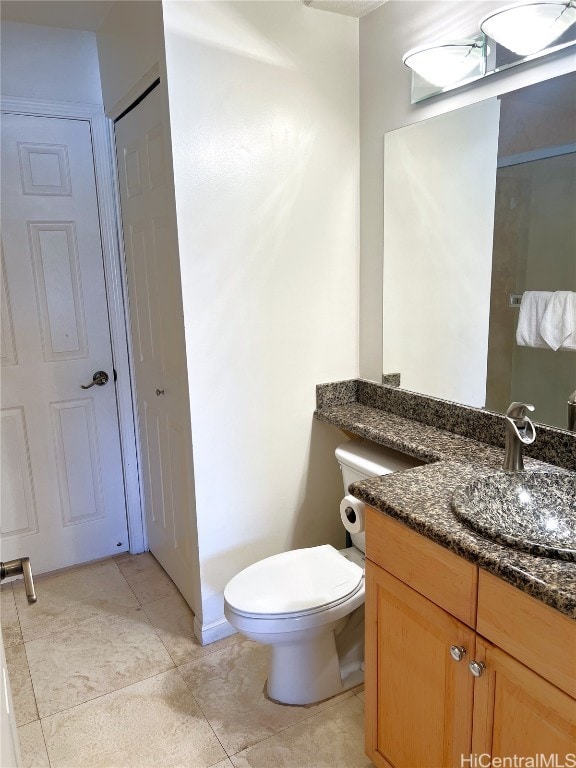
(517, 712)
(418, 700)
(424, 708)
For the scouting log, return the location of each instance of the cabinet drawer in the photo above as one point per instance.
(435, 572)
(528, 629)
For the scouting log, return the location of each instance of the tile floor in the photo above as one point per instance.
(105, 672)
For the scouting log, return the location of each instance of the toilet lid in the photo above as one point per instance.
(294, 582)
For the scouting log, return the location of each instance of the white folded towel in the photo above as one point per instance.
(558, 326)
(532, 308)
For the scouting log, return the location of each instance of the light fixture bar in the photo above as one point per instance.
(446, 62)
(529, 30)
(529, 27)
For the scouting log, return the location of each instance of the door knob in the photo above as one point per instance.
(17, 568)
(99, 379)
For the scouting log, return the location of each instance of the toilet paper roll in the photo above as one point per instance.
(352, 514)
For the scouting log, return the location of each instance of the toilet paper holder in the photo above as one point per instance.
(352, 514)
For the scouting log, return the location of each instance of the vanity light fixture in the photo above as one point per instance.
(445, 63)
(530, 27)
(509, 36)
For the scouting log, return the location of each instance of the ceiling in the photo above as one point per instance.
(66, 14)
(355, 8)
(89, 14)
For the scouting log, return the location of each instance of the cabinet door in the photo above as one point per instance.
(517, 712)
(418, 699)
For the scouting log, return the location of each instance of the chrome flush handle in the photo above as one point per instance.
(98, 380)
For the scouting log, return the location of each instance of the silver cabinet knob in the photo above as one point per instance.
(477, 668)
(457, 652)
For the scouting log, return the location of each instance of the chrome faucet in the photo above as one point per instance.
(520, 431)
(572, 411)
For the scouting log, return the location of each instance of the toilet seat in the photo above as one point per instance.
(295, 583)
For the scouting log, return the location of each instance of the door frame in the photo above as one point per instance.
(114, 277)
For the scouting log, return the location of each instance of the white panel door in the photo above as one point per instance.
(157, 330)
(62, 489)
(10, 756)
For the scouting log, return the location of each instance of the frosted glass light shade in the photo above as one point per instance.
(445, 63)
(529, 28)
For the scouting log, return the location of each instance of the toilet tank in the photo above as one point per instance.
(361, 459)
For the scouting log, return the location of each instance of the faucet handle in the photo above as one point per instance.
(520, 431)
(520, 425)
(518, 410)
(572, 411)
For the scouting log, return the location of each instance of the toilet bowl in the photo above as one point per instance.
(308, 604)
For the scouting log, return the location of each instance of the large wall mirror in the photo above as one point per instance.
(479, 207)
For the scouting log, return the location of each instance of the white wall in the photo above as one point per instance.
(49, 63)
(130, 44)
(264, 117)
(385, 35)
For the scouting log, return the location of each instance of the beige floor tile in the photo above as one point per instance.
(360, 695)
(174, 622)
(11, 633)
(147, 578)
(151, 724)
(330, 739)
(72, 597)
(228, 685)
(32, 746)
(96, 658)
(121, 556)
(21, 685)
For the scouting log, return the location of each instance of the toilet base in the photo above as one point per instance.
(351, 681)
(313, 656)
(309, 671)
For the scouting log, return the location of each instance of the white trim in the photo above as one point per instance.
(134, 93)
(115, 288)
(130, 405)
(114, 271)
(43, 108)
(209, 633)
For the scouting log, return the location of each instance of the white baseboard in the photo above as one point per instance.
(209, 633)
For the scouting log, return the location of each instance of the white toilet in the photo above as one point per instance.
(308, 604)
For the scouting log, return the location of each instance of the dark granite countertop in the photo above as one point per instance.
(422, 497)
